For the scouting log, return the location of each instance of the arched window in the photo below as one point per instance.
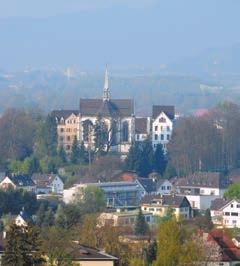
(125, 131)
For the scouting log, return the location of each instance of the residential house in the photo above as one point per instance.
(67, 127)
(159, 205)
(202, 188)
(123, 217)
(23, 219)
(18, 182)
(147, 185)
(46, 184)
(142, 128)
(226, 213)
(219, 249)
(164, 187)
(116, 193)
(162, 124)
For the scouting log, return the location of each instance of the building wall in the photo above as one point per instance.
(57, 185)
(160, 210)
(123, 146)
(162, 128)
(230, 216)
(67, 130)
(165, 188)
(201, 202)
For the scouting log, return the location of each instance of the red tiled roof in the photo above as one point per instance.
(228, 250)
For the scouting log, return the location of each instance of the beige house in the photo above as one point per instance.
(123, 218)
(159, 205)
(67, 127)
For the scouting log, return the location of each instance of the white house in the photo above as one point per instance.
(46, 184)
(226, 213)
(202, 188)
(162, 125)
(23, 219)
(164, 187)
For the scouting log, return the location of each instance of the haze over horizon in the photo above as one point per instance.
(89, 34)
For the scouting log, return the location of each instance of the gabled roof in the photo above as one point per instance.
(148, 184)
(167, 200)
(64, 113)
(43, 180)
(111, 108)
(141, 125)
(229, 252)
(169, 110)
(219, 203)
(161, 181)
(22, 180)
(203, 179)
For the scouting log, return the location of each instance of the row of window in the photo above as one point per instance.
(162, 137)
(71, 121)
(68, 138)
(68, 129)
(231, 213)
(237, 205)
(166, 187)
(162, 128)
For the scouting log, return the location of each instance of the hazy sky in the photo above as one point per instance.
(89, 33)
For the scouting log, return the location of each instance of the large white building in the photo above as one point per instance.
(162, 124)
(226, 213)
(202, 188)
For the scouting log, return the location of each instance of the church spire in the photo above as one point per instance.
(106, 92)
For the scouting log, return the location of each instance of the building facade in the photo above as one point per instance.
(162, 125)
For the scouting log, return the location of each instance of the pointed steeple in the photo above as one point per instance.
(106, 92)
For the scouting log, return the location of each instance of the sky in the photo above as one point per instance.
(123, 33)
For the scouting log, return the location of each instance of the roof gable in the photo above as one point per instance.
(64, 113)
(203, 179)
(169, 110)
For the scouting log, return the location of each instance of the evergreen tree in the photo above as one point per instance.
(49, 218)
(22, 247)
(75, 155)
(40, 215)
(141, 226)
(51, 135)
(62, 154)
(151, 252)
(144, 164)
(83, 154)
(159, 161)
(60, 218)
(46, 137)
(133, 157)
(100, 136)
